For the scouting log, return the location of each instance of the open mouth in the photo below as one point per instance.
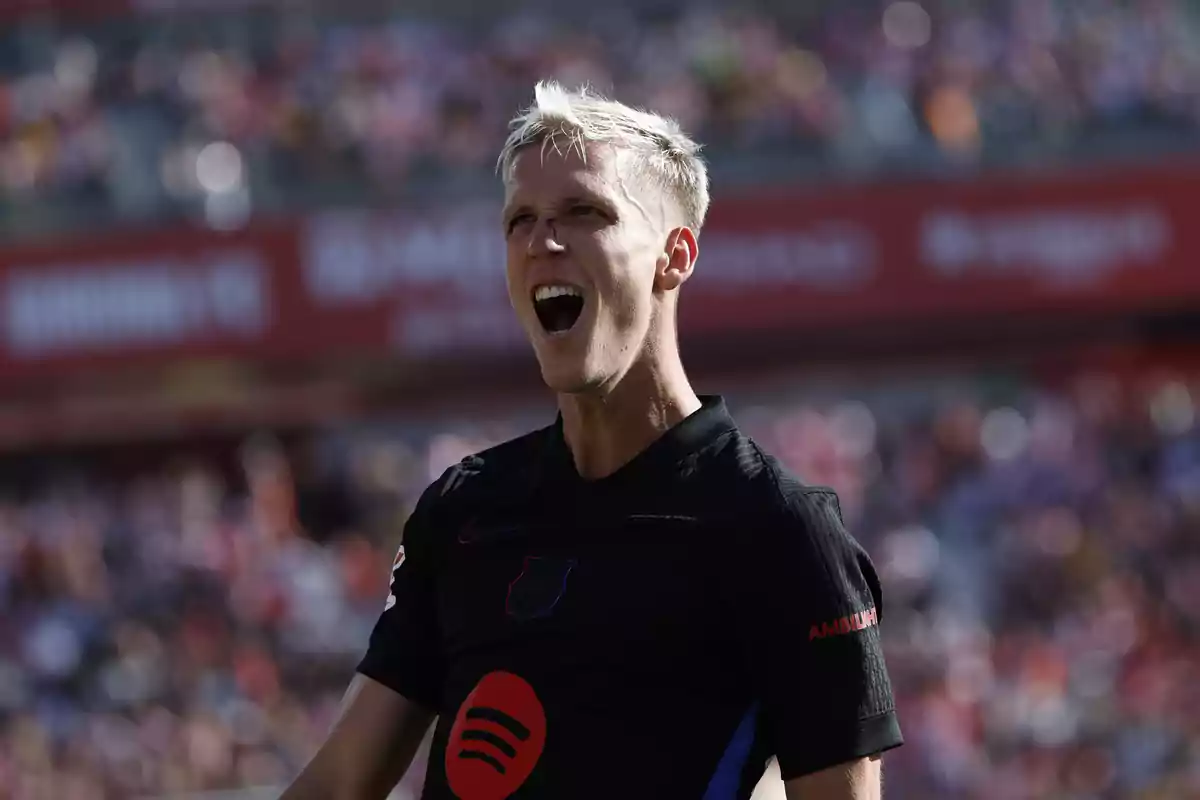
(558, 307)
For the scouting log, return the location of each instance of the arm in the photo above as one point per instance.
(369, 748)
(394, 697)
(856, 780)
(809, 604)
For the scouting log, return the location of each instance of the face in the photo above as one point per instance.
(594, 257)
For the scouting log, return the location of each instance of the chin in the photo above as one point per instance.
(563, 377)
(562, 381)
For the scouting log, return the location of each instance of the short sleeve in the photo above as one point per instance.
(809, 611)
(404, 650)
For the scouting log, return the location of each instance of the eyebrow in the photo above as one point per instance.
(591, 199)
(510, 211)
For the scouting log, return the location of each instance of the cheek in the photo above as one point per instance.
(512, 274)
(633, 271)
(630, 293)
(622, 265)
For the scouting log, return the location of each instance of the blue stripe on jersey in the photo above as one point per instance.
(727, 780)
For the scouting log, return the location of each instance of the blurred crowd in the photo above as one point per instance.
(159, 634)
(190, 629)
(221, 114)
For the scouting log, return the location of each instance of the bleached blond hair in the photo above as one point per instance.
(660, 149)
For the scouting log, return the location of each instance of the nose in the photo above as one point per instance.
(543, 239)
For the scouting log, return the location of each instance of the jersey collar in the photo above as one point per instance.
(664, 456)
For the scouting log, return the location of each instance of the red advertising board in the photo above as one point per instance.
(429, 284)
(1118, 240)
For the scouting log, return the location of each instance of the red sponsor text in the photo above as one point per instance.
(843, 625)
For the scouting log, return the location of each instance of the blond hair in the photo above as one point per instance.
(574, 118)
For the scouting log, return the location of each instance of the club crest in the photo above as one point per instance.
(539, 588)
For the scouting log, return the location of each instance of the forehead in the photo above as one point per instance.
(547, 173)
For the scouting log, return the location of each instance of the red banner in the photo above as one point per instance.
(430, 284)
(1117, 241)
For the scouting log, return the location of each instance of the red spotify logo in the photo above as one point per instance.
(496, 740)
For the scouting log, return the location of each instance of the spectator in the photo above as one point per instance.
(220, 114)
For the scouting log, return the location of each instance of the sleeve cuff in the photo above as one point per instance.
(403, 684)
(873, 735)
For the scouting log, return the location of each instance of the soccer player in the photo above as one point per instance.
(635, 601)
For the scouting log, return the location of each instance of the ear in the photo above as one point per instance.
(677, 261)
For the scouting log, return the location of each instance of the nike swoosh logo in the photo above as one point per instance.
(470, 534)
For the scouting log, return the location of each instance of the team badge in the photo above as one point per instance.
(539, 588)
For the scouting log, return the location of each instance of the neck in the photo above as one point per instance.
(606, 430)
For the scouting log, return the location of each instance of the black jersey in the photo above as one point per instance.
(659, 633)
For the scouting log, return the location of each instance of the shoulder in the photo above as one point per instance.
(504, 471)
(786, 514)
(814, 509)
(798, 537)
(507, 467)
(769, 492)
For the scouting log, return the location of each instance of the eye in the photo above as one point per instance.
(583, 210)
(519, 219)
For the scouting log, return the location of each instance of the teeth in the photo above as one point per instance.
(555, 290)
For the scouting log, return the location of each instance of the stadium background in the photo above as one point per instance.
(251, 303)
